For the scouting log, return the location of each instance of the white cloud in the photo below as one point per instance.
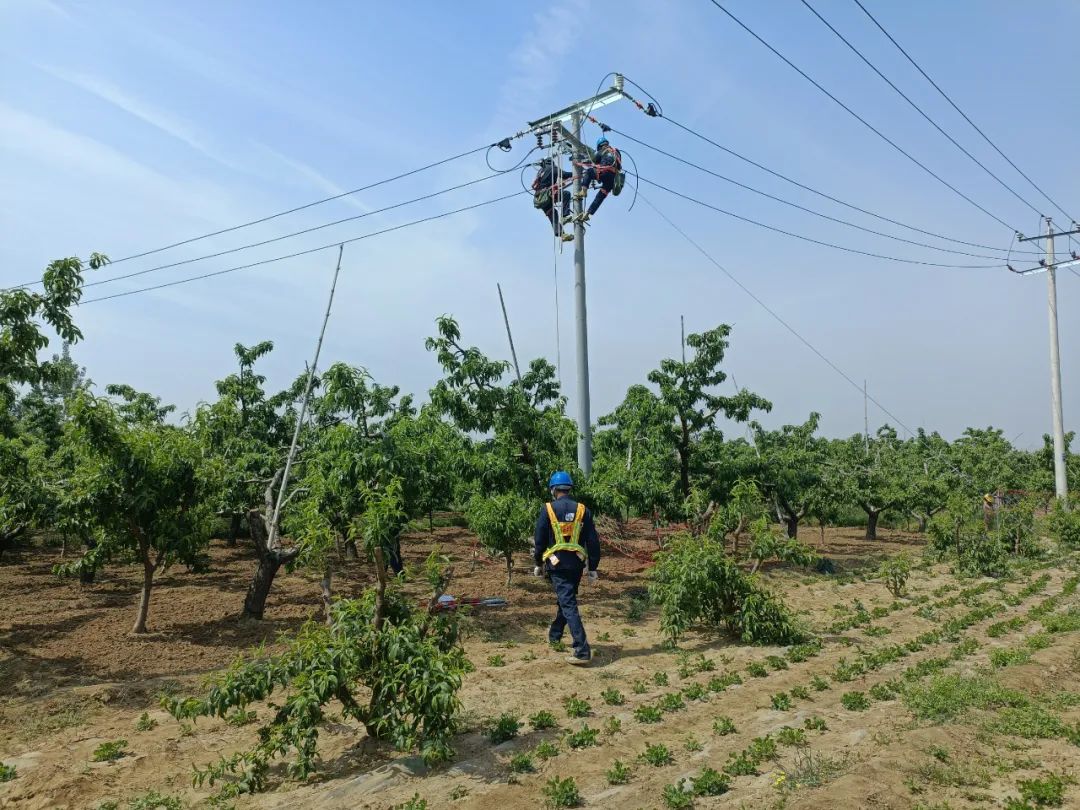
(156, 117)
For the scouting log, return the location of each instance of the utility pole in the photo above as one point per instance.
(866, 418)
(682, 330)
(1061, 483)
(509, 336)
(575, 115)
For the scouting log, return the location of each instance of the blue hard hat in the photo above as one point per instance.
(601, 141)
(559, 480)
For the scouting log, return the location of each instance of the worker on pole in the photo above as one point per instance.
(606, 171)
(565, 546)
(551, 196)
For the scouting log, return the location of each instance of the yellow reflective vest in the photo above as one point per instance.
(567, 535)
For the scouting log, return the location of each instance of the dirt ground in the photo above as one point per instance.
(71, 678)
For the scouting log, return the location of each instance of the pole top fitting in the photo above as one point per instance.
(619, 82)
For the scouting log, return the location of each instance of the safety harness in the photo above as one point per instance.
(567, 535)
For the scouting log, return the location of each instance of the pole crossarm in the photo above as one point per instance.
(1048, 236)
(609, 96)
(1042, 268)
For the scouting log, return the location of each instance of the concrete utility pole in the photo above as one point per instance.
(575, 114)
(1061, 483)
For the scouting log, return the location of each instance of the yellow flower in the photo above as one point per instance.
(780, 779)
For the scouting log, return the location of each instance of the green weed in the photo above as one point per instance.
(724, 726)
(502, 728)
(613, 697)
(543, 720)
(109, 751)
(576, 707)
(561, 793)
(855, 701)
(618, 773)
(657, 755)
(522, 763)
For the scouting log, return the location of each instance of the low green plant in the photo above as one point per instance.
(882, 691)
(575, 707)
(776, 662)
(648, 714)
(781, 701)
(605, 636)
(145, 722)
(895, 572)
(740, 764)
(946, 697)
(815, 723)
(109, 751)
(692, 744)
(639, 687)
(1038, 641)
(718, 683)
(522, 763)
(504, 727)
(762, 748)
(585, 737)
(676, 798)
(660, 678)
(1046, 792)
(546, 750)
(612, 726)
(613, 697)
(629, 632)
(724, 726)
(543, 720)
(1009, 657)
(496, 660)
(818, 684)
(657, 755)
(561, 793)
(800, 692)
(241, 718)
(415, 803)
(793, 737)
(804, 652)
(757, 669)
(671, 702)
(855, 701)
(877, 631)
(695, 691)
(156, 801)
(7, 772)
(710, 783)
(459, 792)
(846, 672)
(618, 773)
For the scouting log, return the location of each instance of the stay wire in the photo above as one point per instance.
(801, 207)
(820, 242)
(774, 314)
(823, 194)
(303, 252)
(291, 235)
(862, 120)
(918, 109)
(963, 115)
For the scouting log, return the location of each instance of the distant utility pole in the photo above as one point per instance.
(1061, 484)
(866, 418)
(550, 125)
(682, 331)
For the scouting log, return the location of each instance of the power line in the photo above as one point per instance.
(917, 108)
(826, 196)
(298, 208)
(801, 207)
(302, 252)
(862, 120)
(964, 115)
(773, 313)
(290, 235)
(817, 241)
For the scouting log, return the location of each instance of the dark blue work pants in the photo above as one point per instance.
(565, 579)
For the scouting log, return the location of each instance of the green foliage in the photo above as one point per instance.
(855, 701)
(156, 801)
(710, 783)
(657, 755)
(7, 772)
(692, 744)
(415, 803)
(882, 691)
(639, 687)
(781, 701)
(767, 544)
(815, 723)
(671, 702)
(676, 798)
(1046, 792)
(1064, 526)
(794, 737)
(585, 737)
(800, 692)
(648, 714)
(818, 684)
(696, 584)
(1009, 657)
(660, 678)
(503, 523)
(522, 763)
(561, 793)
(546, 750)
(613, 697)
(695, 691)
(502, 728)
(776, 662)
(724, 726)
(719, 683)
(946, 697)
(612, 726)
(804, 652)
(575, 706)
(740, 764)
(109, 751)
(145, 723)
(496, 661)
(757, 669)
(618, 773)
(407, 662)
(543, 720)
(895, 572)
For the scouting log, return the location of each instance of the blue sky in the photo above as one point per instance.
(125, 126)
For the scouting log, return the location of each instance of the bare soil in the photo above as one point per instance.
(72, 677)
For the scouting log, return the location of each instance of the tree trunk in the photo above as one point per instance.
(7, 539)
(923, 521)
(380, 588)
(234, 529)
(327, 594)
(684, 468)
(821, 528)
(350, 550)
(509, 567)
(792, 525)
(872, 516)
(270, 560)
(431, 521)
(147, 584)
(87, 575)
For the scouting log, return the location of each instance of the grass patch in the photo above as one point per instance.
(947, 697)
(561, 793)
(724, 726)
(504, 727)
(657, 755)
(584, 738)
(613, 697)
(110, 751)
(576, 707)
(855, 701)
(542, 721)
(618, 773)
(522, 763)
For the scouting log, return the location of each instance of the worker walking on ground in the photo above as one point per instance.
(606, 170)
(549, 187)
(566, 545)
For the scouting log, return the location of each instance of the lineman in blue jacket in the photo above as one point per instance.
(565, 545)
